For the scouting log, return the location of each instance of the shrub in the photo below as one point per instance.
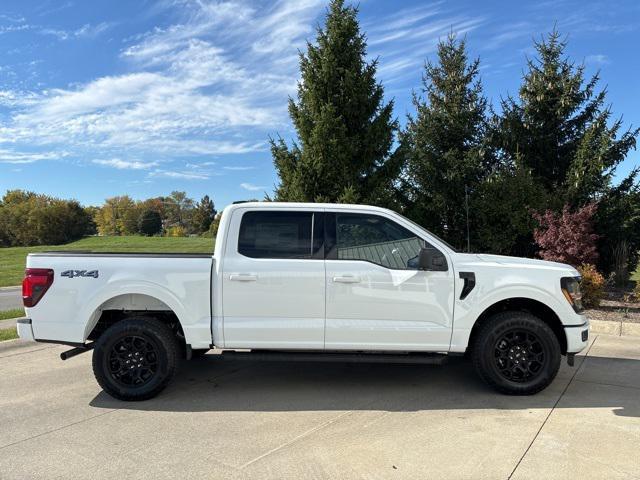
(567, 237)
(592, 285)
(176, 231)
(635, 297)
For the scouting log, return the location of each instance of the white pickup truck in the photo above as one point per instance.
(317, 282)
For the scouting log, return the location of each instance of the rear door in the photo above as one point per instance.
(273, 279)
(377, 299)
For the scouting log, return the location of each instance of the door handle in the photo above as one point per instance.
(346, 279)
(243, 277)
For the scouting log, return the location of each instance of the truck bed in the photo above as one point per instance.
(87, 253)
(86, 284)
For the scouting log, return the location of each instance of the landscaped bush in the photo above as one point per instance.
(176, 231)
(592, 285)
(567, 237)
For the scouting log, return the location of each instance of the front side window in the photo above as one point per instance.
(378, 240)
(276, 235)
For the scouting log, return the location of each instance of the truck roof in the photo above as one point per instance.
(307, 205)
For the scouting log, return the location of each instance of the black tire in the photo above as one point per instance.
(135, 358)
(516, 353)
(198, 352)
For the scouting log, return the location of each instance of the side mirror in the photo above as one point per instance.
(431, 259)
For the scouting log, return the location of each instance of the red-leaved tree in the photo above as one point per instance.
(567, 237)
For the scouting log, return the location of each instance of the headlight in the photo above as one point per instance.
(571, 291)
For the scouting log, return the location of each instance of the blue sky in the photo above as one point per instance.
(103, 98)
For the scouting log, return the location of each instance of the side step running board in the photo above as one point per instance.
(278, 356)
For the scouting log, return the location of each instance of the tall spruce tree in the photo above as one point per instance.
(560, 129)
(344, 127)
(203, 214)
(444, 144)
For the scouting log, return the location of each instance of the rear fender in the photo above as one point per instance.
(141, 295)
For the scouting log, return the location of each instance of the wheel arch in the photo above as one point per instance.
(140, 300)
(523, 304)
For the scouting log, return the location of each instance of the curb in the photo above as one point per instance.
(619, 329)
(10, 287)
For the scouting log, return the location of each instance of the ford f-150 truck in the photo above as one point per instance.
(313, 282)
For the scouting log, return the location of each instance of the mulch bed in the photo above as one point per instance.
(616, 307)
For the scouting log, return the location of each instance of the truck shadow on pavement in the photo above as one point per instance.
(212, 384)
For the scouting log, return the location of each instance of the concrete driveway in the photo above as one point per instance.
(231, 419)
(10, 297)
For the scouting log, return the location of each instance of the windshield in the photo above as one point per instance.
(431, 233)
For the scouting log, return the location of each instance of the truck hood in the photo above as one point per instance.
(485, 260)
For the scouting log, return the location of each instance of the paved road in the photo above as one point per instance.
(225, 419)
(10, 297)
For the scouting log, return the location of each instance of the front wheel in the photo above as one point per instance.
(516, 353)
(135, 358)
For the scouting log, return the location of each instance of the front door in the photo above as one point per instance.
(377, 299)
(273, 280)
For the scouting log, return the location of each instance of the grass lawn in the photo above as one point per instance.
(8, 334)
(635, 276)
(12, 259)
(13, 313)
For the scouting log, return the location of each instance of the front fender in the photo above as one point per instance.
(467, 311)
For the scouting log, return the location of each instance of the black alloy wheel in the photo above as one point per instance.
(516, 353)
(133, 361)
(519, 355)
(135, 358)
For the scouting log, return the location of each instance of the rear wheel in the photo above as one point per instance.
(135, 359)
(516, 353)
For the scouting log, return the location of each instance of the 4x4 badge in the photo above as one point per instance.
(80, 273)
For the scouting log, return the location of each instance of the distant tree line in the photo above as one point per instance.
(27, 218)
(546, 155)
(174, 215)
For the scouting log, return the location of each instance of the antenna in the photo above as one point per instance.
(466, 205)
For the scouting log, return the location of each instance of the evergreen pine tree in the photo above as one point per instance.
(559, 128)
(344, 127)
(203, 214)
(444, 143)
(150, 222)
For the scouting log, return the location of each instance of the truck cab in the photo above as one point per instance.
(312, 281)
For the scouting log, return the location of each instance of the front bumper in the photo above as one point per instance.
(25, 332)
(577, 335)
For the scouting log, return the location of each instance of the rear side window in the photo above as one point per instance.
(276, 235)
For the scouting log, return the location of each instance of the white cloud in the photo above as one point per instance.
(206, 85)
(238, 168)
(14, 28)
(509, 33)
(180, 175)
(126, 164)
(405, 39)
(598, 59)
(85, 31)
(251, 187)
(16, 157)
